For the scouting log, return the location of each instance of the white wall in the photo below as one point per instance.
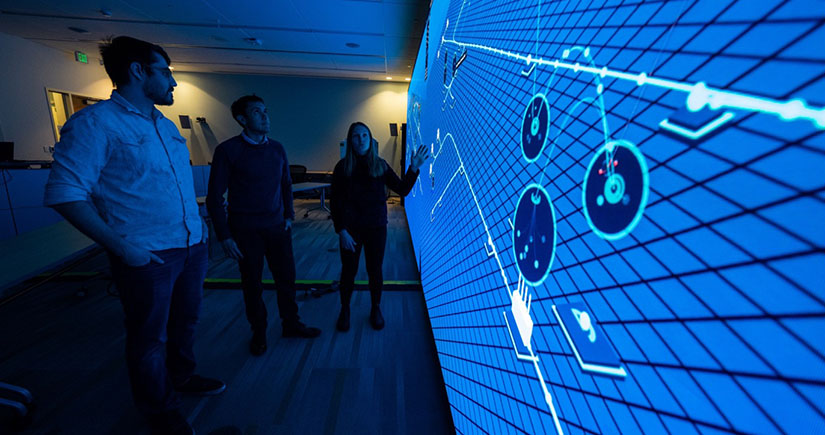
(28, 69)
(308, 115)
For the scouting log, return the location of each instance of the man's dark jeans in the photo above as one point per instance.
(161, 303)
(275, 243)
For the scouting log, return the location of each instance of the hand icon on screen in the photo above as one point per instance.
(584, 322)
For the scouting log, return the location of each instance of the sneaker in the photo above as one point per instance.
(201, 386)
(343, 320)
(170, 423)
(376, 319)
(257, 346)
(299, 330)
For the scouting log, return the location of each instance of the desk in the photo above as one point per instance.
(318, 176)
(26, 164)
(302, 187)
(296, 187)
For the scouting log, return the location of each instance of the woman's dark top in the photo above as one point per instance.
(360, 201)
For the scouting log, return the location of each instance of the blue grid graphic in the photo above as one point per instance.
(713, 301)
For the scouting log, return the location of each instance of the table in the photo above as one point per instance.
(296, 187)
(26, 164)
(302, 187)
(319, 173)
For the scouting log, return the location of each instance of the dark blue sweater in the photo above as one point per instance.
(260, 189)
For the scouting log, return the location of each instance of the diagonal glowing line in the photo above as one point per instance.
(699, 95)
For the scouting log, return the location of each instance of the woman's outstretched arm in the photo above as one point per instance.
(405, 185)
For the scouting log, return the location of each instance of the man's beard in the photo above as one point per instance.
(166, 99)
(161, 99)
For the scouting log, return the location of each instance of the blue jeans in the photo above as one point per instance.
(161, 303)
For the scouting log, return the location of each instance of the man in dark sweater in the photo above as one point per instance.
(255, 170)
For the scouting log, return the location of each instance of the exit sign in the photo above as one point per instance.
(81, 57)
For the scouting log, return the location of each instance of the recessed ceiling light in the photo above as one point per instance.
(172, 68)
(389, 78)
(407, 79)
(253, 41)
(352, 45)
(78, 30)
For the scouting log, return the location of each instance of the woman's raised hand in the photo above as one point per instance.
(419, 157)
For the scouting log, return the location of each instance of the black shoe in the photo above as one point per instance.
(343, 320)
(299, 330)
(201, 386)
(257, 346)
(376, 319)
(170, 423)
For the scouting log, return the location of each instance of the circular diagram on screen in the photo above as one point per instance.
(615, 190)
(535, 127)
(534, 234)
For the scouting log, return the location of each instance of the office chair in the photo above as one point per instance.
(298, 173)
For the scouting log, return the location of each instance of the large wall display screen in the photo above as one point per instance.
(622, 225)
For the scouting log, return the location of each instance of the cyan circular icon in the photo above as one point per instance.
(535, 127)
(615, 190)
(534, 234)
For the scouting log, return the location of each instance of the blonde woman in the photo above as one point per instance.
(359, 212)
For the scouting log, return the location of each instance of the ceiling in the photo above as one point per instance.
(358, 39)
